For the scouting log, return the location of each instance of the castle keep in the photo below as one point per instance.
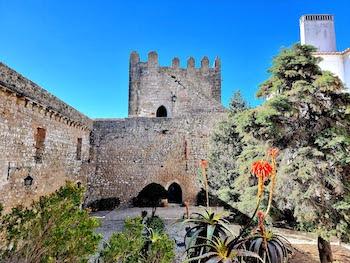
(172, 112)
(45, 142)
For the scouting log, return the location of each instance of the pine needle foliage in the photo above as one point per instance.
(307, 116)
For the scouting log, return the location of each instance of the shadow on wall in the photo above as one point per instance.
(104, 204)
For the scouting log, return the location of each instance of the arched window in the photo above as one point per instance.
(162, 112)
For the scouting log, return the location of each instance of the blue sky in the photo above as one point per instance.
(79, 50)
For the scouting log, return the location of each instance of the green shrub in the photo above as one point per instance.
(138, 244)
(53, 229)
(156, 223)
(125, 246)
(159, 248)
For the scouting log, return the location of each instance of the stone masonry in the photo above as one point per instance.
(38, 141)
(145, 148)
(45, 142)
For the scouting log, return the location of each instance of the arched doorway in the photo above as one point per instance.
(174, 194)
(162, 112)
(150, 196)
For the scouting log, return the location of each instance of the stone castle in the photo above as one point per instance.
(45, 142)
(172, 112)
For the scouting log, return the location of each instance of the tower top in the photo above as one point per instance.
(318, 30)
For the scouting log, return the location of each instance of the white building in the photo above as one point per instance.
(318, 30)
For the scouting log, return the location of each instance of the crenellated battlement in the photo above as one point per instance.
(153, 62)
(179, 91)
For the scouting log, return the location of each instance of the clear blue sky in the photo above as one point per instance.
(79, 50)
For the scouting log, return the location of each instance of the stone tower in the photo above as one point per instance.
(156, 91)
(318, 31)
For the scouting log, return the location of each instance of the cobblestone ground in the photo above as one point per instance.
(113, 221)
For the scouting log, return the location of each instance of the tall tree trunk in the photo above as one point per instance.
(324, 250)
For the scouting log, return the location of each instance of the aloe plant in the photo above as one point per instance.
(206, 225)
(224, 251)
(272, 248)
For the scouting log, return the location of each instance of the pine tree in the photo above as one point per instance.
(225, 146)
(307, 116)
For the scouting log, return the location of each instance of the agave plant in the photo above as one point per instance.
(271, 247)
(206, 226)
(223, 251)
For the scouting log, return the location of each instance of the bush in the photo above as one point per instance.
(125, 246)
(156, 223)
(104, 204)
(138, 244)
(159, 248)
(53, 229)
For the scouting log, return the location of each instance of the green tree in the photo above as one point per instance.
(307, 116)
(53, 229)
(226, 145)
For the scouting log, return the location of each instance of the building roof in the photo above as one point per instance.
(344, 52)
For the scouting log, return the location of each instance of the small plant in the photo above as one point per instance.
(224, 251)
(155, 223)
(206, 225)
(159, 248)
(210, 239)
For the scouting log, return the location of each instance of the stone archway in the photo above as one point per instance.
(150, 196)
(175, 193)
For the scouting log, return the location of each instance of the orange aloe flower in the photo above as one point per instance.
(262, 169)
(273, 152)
(204, 164)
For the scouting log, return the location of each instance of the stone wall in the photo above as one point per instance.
(46, 141)
(38, 140)
(182, 91)
(134, 152)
